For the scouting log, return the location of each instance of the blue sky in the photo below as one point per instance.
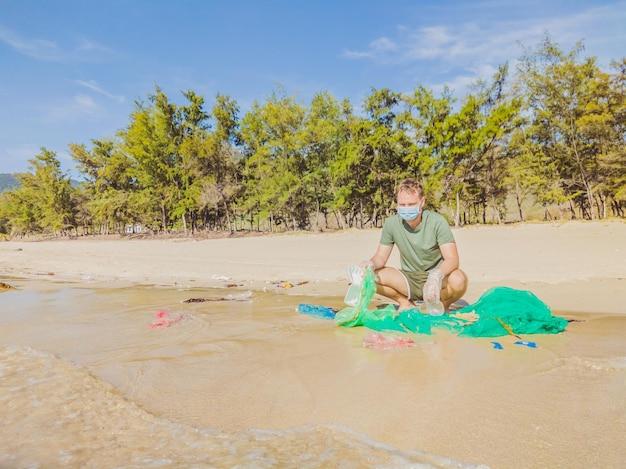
(70, 71)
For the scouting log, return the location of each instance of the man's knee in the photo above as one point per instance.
(382, 277)
(457, 281)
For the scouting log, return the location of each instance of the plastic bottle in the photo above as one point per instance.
(355, 277)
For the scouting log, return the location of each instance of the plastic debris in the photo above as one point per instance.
(319, 311)
(219, 277)
(497, 345)
(243, 296)
(385, 342)
(521, 312)
(526, 343)
(163, 320)
(355, 278)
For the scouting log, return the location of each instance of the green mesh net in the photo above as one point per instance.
(500, 311)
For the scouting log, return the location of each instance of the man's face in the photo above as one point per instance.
(409, 199)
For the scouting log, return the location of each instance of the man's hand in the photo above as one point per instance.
(365, 264)
(432, 288)
(379, 259)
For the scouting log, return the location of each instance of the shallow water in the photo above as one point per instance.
(86, 382)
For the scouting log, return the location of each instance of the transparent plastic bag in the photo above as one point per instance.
(355, 277)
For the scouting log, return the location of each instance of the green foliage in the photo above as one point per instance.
(43, 200)
(556, 138)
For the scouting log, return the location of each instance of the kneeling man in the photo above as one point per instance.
(429, 257)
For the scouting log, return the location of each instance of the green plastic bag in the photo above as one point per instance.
(498, 309)
(519, 310)
(387, 318)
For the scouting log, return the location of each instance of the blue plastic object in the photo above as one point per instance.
(319, 311)
(526, 343)
(497, 345)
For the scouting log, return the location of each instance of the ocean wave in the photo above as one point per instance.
(56, 413)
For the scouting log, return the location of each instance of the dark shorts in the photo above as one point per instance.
(415, 283)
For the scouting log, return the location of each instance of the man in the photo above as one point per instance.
(429, 257)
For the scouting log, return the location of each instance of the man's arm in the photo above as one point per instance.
(450, 258)
(379, 260)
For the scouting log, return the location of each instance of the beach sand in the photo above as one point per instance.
(575, 266)
(86, 382)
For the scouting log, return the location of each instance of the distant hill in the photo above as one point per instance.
(7, 181)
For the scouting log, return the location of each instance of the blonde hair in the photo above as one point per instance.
(410, 185)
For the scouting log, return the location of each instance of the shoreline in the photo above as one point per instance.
(573, 267)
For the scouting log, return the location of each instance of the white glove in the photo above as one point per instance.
(432, 288)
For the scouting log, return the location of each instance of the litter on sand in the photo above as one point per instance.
(244, 296)
(287, 284)
(526, 343)
(319, 311)
(6, 286)
(385, 342)
(497, 345)
(220, 277)
(499, 312)
(162, 319)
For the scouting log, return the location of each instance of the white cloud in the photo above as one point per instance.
(43, 49)
(375, 49)
(469, 43)
(79, 106)
(94, 86)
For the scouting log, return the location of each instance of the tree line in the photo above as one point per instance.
(552, 135)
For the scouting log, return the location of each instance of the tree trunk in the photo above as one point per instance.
(317, 215)
(361, 214)
(518, 199)
(337, 219)
(163, 218)
(230, 228)
(457, 214)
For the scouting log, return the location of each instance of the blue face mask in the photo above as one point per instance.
(409, 213)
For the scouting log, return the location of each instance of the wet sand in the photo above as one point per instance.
(575, 266)
(86, 382)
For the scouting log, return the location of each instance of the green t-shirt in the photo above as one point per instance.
(419, 248)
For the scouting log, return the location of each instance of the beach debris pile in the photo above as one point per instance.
(163, 319)
(499, 312)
